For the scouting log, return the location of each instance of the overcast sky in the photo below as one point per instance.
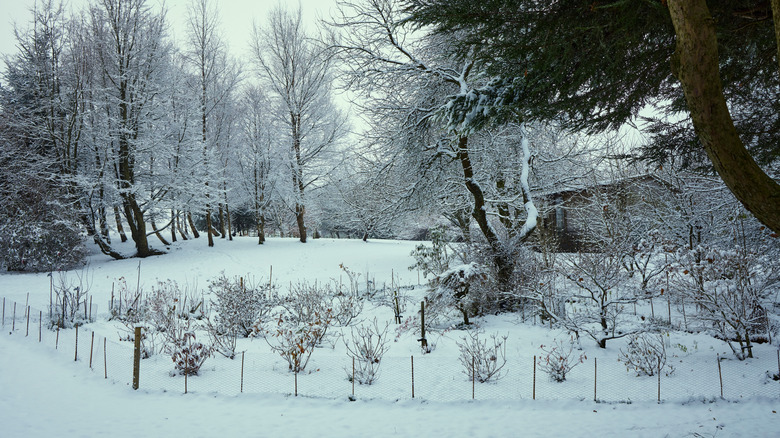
(236, 15)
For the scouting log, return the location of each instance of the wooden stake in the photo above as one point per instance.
(90, 308)
(296, 383)
(270, 276)
(3, 311)
(659, 380)
(353, 377)
(91, 349)
(137, 358)
(76, 354)
(473, 377)
(27, 333)
(242, 370)
(186, 366)
(57, 340)
(105, 362)
(534, 390)
(412, 376)
(720, 375)
(13, 320)
(40, 325)
(595, 377)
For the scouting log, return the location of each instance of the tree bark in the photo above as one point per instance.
(119, 228)
(776, 19)
(195, 233)
(502, 262)
(695, 64)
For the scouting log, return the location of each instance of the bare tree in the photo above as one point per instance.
(431, 95)
(258, 177)
(298, 70)
(217, 77)
(129, 41)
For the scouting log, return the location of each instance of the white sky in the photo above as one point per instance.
(236, 15)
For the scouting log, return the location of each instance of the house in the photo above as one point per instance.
(577, 218)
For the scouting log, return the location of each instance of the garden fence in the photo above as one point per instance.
(424, 376)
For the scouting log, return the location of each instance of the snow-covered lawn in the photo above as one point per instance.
(43, 392)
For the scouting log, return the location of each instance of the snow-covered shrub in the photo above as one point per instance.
(482, 359)
(70, 298)
(41, 246)
(189, 355)
(366, 346)
(296, 341)
(240, 304)
(433, 259)
(307, 302)
(730, 287)
(452, 289)
(645, 354)
(557, 360)
(126, 306)
(599, 298)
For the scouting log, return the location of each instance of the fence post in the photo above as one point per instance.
(412, 376)
(720, 375)
(91, 349)
(353, 377)
(27, 332)
(137, 357)
(659, 380)
(595, 377)
(534, 390)
(13, 320)
(473, 373)
(57, 339)
(76, 354)
(105, 361)
(242, 370)
(40, 325)
(423, 341)
(3, 311)
(296, 383)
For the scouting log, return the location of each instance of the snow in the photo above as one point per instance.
(44, 392)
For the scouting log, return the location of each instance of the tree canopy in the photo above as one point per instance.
(596, 65)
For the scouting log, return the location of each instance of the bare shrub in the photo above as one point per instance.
(295, 341)
(129, 307)
(189, 355)
(646, 355)
(482, 359)
(367, 346)
(239, 305)
(70, 297)
(558, 359)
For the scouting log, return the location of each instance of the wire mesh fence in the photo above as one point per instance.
(330, 373)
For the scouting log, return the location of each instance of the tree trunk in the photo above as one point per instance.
(695, 64)
(195, 232)
(119, 228)
(776, 19)
(222, 220)
(503, 263)
(174, 224)
(105, 248)
(227, 220)
(158, 233)
(299, 211)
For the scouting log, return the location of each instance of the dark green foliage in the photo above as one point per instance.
(595, 64)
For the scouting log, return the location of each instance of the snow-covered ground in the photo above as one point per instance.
(44, 392)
